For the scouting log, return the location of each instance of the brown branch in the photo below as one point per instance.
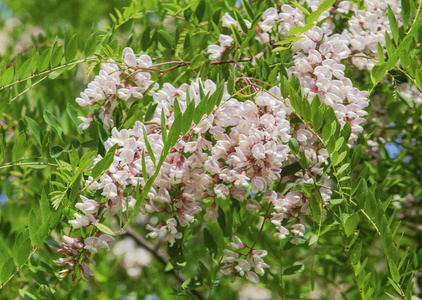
(162, 259)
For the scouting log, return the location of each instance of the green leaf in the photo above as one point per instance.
(294, 146)
(342, 168)
(394, 286)
(378, 72)
(215, 98)
(103, 228)
(7, 270)
(19, 147)
(56, 56)
(149, 149)
(27, 295)
(236, 34)
(241, 21)
(248, 9)
(418, 78)
(178, 262)
(338, 144)
(150, 112)
(304, 161)
(71, 48)
(44, 60)
(315, 206)
(339, 159)
(34, 128)
(200, 10)
(104, 163)
(405, 12)
(90, 45)
(351, 224)
(188, 117)
(209, 241)
(186, 44)
(7, 76)
(393, 25)
(45, 206)
(165, 39)
(25, 70)
(296, 269)
(300, 29)
(404, 59)
(33, 227)
(52, 121)
(175, 130)
(322, 8)
(394, 271)
(73, 114)
(23, 252)
(230, 82)
(192, 283)
(357, 153)
(380, 53)
(146, 38)
(196, 62)
(163, 127)
(326, 132)
(288, 40)
(290, 169)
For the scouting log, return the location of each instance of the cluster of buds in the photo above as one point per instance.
(73, 249)
(169, 230)
(240, 264)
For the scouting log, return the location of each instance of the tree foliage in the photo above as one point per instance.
(264, 143)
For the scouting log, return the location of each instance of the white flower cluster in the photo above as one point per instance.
(367, 28)
(318, 65)
(236, 152)
(116, 81)
(242, 264)
(268, 18)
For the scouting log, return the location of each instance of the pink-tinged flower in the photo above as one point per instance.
(243, 266)
(106, 240)
(83, 100)
(225, 40)
(258, 185)
(258, 151)
(282, 232)
(215, 51)
(252, 277)
(129, 57)
(267, 24)
(124, 94)
(110, 190)
(172, 231)
(228, 20)
(221, 191)
(156, 231)
(270, 196)
(227, 269)
(253, 205)
(81, 221)
(241, 181)
(144, 61)
(92, 243)
(88, 207)
(236, 244)
(85, 122)
(126, 156)
(230, 256)
(211, 214)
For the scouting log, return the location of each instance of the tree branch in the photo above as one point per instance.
(162, 259)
